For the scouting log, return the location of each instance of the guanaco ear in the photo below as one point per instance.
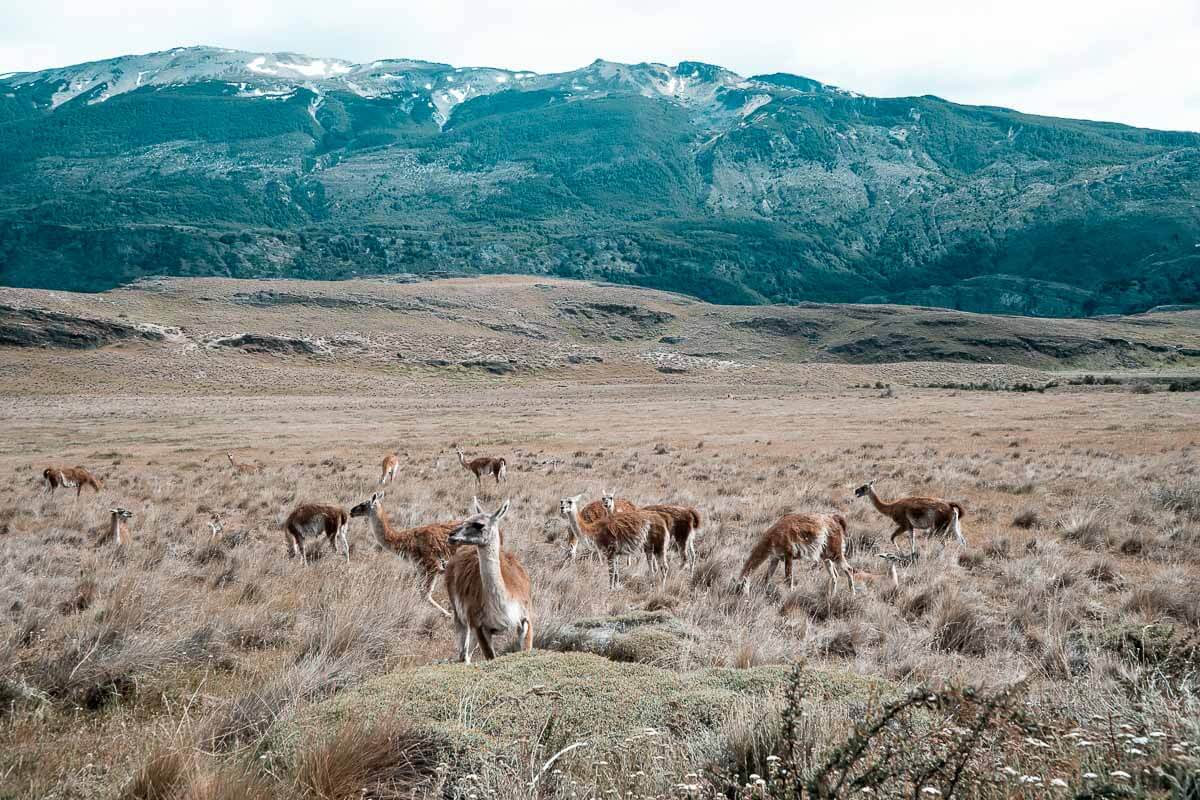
(499, 515)
(114, 511)
(476, 508)
(577, 497)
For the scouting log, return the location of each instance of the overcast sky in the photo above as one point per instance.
(1133, 62)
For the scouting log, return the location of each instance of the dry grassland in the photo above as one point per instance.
(181, 667)
(1083, 521)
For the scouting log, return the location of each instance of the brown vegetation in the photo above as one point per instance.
(174, 669)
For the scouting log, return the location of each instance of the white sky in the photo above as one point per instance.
(1133, 62)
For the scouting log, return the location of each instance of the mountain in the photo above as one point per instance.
(773, 188)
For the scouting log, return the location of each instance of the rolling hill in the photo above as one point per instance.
(221, 335)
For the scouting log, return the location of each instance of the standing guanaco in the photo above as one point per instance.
(427, 546)
(930, 514)
(484, 465)
(614, 536)
(391, 463)
(592, 513)
(657, 540)
(118, 531)
(488, 586)
(683, 524)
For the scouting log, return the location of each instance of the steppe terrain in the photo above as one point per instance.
(181, 667)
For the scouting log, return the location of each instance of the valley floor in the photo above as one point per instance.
(1082, 521)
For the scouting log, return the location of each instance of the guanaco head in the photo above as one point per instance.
(121, 513)
(609, 499)
(865, 489)
(215, 528)
(364, 508)
(481, 528)
(568, 506)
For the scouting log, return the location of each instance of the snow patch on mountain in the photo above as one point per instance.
(257, 66)
(703, 88)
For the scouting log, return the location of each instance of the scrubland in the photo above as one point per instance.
(1059, 644)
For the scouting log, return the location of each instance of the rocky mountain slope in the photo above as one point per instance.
(774, 188)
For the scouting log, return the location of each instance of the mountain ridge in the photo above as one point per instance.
(768, 188)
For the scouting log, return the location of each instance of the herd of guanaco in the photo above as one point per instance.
(488, 587)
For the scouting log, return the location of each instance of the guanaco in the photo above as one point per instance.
(484, 465)
(391, 463)
(608, 503)
(243, 469)
(118, 530)
(661, 527)
(614, 536)
(311, 521)
(488, 586)
(808, 537)
(69, 478)
(595, 511)
(427, 546)
(684, 523)
(930, 514)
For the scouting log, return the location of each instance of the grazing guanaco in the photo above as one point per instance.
(488, 586)
(657, 541)
(311, 520)
(930, 514)
(614, 536)
(427, 546)
(808, 537)
(484, 465)
(684, 524)
(69, 478)
(243, 469)
(117, 531)
(391, 463)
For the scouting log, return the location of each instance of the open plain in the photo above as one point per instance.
(182, 664)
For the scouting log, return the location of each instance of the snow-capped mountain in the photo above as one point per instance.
(203, 161)
(712, 90)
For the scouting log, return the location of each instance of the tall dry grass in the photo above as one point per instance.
(207, 646)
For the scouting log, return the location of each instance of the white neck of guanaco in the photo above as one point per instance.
(489, 568)
(379, 524)
(577, 525)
